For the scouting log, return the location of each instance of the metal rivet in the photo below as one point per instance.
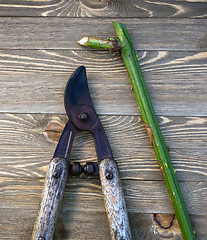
(83, 116)
(41, 238)
(109, 175)
(56, 175)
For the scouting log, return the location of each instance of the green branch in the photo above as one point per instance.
(131, 62)
(103, 44)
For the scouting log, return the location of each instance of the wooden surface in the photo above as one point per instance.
(38, 53)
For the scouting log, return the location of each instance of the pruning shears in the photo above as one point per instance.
(82, 117)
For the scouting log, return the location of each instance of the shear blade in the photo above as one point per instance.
(78, 103)
(77, 92)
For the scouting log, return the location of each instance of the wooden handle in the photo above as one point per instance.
(51, 199)
(114, 200)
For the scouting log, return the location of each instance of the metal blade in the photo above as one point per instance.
(65, 142)
(77, 92)
(82, 115)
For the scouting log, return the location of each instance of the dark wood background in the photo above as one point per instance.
(38, 52)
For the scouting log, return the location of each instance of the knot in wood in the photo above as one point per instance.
(94, 4)
(164, 221)
(54, 129)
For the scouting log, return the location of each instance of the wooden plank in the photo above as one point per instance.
(105, 8)
(82, 194)
(28, 142)
(18, 224)
(34, 81)
(146, 34)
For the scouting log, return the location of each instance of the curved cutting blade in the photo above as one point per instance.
(78, 101)
(82, 115)
(76, 91)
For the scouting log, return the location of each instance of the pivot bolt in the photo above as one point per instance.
(83, 117)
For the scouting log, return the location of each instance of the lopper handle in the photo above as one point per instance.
(114, 200)
(51, 199)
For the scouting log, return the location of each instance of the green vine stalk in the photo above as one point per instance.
(125, 46)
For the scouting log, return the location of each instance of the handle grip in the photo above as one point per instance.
(114, 200)
(51, 199)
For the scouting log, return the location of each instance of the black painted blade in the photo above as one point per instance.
(76, 91)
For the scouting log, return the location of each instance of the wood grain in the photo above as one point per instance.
(38, 52)
(18, 223)
(55, 33)
(34, 81)
(105, 8)
(86, 194)
(27, 146)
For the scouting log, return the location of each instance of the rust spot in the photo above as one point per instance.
(150, 133)
(54, 129)
(162, 170)
(161, 167)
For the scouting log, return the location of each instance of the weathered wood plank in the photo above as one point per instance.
(18, 224)
(82, 194)
(105, 8)
(28, 143)
(146, 34)
(34, 81)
